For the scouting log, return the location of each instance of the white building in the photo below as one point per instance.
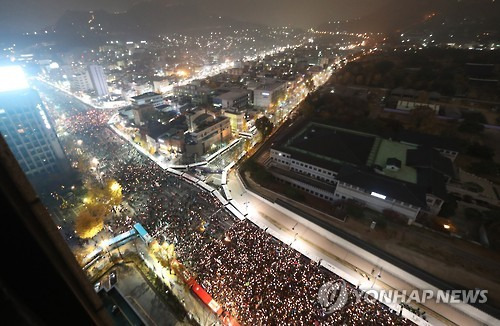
(90, 79)
(268, 94)
(80, 82)
(98, 80)
(155, 99)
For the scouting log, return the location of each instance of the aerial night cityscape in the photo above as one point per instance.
(250, 162)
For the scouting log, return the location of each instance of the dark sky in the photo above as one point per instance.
(28, 15)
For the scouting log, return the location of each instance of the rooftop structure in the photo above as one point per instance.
(152, 98)
(385, 174)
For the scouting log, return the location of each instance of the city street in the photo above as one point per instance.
(321, 245)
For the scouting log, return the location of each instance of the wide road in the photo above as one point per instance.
(270, 215)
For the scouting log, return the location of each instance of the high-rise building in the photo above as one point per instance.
(98, 79)
(80, 82)
(90, 79)
(26, 126)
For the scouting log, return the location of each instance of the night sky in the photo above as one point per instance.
(30, 15)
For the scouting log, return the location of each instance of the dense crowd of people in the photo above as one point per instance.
(262, 281)
(258, 279)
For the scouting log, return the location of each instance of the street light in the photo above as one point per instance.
(115, 186)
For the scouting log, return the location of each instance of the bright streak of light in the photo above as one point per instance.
(12, 78)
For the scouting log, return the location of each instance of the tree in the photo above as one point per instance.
(473, 116)
(448, 209)
(383, 67)
(485, 167)
(294, 194)
(87, 226)
(423, 118)
(481, 151)
(471, 127)
(97, 210)
(264, 126)
(82, 165)
(100, 200)
(472, 213)
(262, 176)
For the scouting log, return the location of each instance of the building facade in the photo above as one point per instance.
(237, 120)
(232, 99)
(29, 132)
(98, 80)
(208, 135)
(377, 173)
(80, 82)
(267, 95)
(149, 98)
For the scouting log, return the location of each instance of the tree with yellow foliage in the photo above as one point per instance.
(97, 210)
(87, 226)
(114, 192)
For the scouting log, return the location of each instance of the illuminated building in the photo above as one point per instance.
(237, 120)
(268, 94)
(150, 98)
(98, 79)
(233, 99)
(90, 79)
(209, 134)
(80, 82)
(26, 126)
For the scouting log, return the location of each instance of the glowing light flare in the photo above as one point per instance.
(115, 186)
(374, 194)
(12, 78)
(104, 243)
(182, 73)
(54, 65)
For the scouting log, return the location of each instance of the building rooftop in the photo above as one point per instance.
(427, 157)
(313, 182)
(209, 123)
(271, 86)
(145, 95)
(202, 119)
(233, 95)
(364, 158)
(390, 149)
(155, 129)
(383, 185)
(331, 145)
(125, 314)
